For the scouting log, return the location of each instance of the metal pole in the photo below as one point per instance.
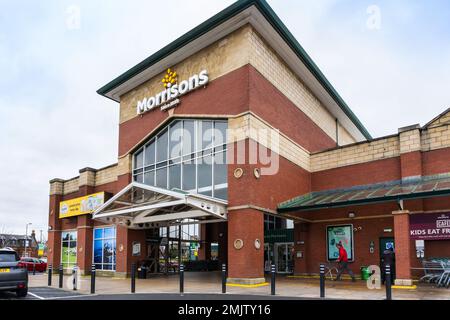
(133, 277)
(34, 268)
(322, 281)
(49, 275)
(74, 280)
(182, 278)
(224, 278)
(387, 276)
(272, 285)
(61, 275)
(93, 279)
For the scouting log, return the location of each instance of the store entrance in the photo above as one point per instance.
(283, 257)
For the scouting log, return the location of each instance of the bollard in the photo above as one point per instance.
(272, 282)
(181, 278)
(74, 278)
(34, 268)
(133, 277)
(61, 275)
(322, 281)
(49, 275)
(93, 279)
(224, 278)
(387, 277)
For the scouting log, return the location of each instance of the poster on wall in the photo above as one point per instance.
(336, 234)
(429, 226)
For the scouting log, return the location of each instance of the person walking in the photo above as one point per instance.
(343, 262)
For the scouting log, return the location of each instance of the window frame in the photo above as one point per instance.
(102, 239)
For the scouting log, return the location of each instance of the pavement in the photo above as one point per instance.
(207, 285)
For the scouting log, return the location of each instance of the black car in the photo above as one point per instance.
(12, 276)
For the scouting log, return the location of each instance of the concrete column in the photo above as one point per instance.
(245, 262)
(402, 248)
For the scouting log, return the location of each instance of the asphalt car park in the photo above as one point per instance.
(41, 293)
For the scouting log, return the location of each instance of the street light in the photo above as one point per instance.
(26, 238)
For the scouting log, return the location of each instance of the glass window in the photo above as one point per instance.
(69, 249)
(150, 153)
(182, 157)
(104, 256)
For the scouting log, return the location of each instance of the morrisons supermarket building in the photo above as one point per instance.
(234, 148)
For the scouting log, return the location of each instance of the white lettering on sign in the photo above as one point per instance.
(442, 223)
(168, 98)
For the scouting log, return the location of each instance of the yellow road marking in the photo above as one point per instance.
(248, 285)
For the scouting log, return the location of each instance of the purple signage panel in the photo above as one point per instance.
(429, 226)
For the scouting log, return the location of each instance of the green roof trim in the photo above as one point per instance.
(218, 19)
(415, 188)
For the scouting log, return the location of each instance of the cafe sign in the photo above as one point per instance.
(170, 96)
(430, 226)
(82, 205)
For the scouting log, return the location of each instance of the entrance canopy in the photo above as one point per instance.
(418, 188)
(140, 206)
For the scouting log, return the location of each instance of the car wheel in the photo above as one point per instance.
(21, 293)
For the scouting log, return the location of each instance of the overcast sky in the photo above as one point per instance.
(389, 60)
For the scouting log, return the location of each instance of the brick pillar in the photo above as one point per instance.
(246, 265)
(86, 186)
(402, 248)
(410, 151)
(54, 223)
(300, 245)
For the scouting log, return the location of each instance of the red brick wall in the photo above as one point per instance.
(358, 174)
(411, 164)
(274, 107)
(436, 161)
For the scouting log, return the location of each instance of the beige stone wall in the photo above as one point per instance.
(344, 136)
(357, 153)
(409, 141)
(106, 175)
(250, 126)
(220, 58)
(436, 137)
(71, 186)
(443, 119)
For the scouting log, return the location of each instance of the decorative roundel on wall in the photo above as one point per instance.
(238, 172)
(257, 244)
(81, 249)
(121, 248)
(238, 244)
(257, 173)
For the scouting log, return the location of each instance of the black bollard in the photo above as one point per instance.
(272, 282)
(74, 278)
(181, 278)
(49, 275)
(93, 279)
(133, 277)
(224, 278)
(61, 275)
(322, 281)
(34, 268)
(387, 277)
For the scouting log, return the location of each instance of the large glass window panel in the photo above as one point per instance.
(188, 136)
(220, 133)
(205, 135)
(109, 233)
(189, 175)
(139, 159)
(149, 178)
(205, 171)
(98, 233)
(150, 153)
(161, 177)
(175, 176)
(220, 168)
(161, 146)
(98, 251)
(175, 142)
(108, 251)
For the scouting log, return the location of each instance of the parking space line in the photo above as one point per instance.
(70, 297)
(36, 296)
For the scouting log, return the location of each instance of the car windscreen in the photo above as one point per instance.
(8, 257)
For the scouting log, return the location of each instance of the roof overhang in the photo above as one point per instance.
(139, 206)
(261, 16)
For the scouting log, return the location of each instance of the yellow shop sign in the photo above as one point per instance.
(81, 205)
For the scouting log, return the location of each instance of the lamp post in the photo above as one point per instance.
(26, 238)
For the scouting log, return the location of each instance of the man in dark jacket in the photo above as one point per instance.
(343, 262)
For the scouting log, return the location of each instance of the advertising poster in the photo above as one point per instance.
(336, 234)
(429, 226)
(81, 205)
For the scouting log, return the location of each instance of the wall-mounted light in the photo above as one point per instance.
(351, 215)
